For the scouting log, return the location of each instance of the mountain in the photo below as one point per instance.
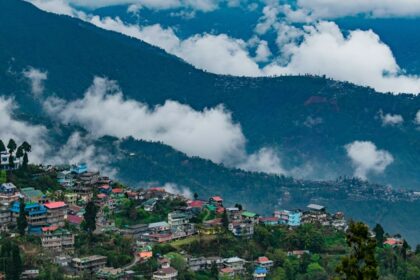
(273, 112)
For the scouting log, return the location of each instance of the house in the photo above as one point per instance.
(290, 218)
(8, 193)
(264, 262)
(236, 264)
(36, 215)
(58, 240)
(196, 204)
(110, 273)
(79, 168)
(158, 237)
(65, 178)
(298, 253)
(393, 242)
(178, 221)
(32, 195)
(4, 161)
(149, 205)
(158, 227)
(74, 220)
(56, 212)
(259, 273)
(216, 201)
(5, 216)
(70, 198)
(166, 272)
(30, 274)
(203, 263)
(226, 272)
(249, 216)
(90, 263)
(233, 214)
(269, 221)
(106, 189)
(316, 214)
(242, 228)
(211, 227)
(135, 231)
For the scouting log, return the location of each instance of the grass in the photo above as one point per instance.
(185, 241)
(3, 176)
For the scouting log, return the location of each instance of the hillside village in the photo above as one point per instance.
(69, 221)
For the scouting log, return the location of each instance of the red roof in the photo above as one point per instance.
(50, 228)
(220, 210)
(105, 187)
(55, 205)
(155, 189)
(393, 241)
(101, 195)
(269, 219)
(196, 204)
(117, 190)
(217, 198)
(263, 260)
(226, 270)
(73, 219)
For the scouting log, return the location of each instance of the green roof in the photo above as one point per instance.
(249, 214)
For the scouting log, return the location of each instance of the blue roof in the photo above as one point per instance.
(31, 208)
(260, 270)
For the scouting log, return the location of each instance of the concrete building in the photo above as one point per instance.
(56, 239)
(8, 193)
(90, 263)
(56, 213)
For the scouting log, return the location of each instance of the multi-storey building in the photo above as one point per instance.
(8, 193)
(56, 213)
(36, 215)
(56, 239)
(90, 263)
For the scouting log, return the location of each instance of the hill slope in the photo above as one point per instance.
(272, 111)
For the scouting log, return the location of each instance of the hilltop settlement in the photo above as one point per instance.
(70, 222)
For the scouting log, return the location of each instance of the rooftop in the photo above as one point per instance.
(55, 204)
(316, 207)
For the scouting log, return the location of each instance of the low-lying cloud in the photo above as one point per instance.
(390, 119)
(36, 79)
(367, 158)
(12, 128)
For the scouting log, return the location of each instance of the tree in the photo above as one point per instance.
(12, 262)
(11, 146)
(21, 220)
(225, 220)
(239, 206)
(195, 196)
(379, 235)
(2, 147)
(417, 249)
(25, 160)
(360, 264)
(89, 224)
(26, 147)
(19, 152)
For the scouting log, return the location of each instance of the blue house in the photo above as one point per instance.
(259, 273)
(294, 218)
(36, 215)
(79, 168)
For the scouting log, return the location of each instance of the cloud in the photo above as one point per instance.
(36, 77)
(366, 158)
(360, 58)
(82, 148)
(12, 128)
(265, 160)
(210, 133)
(218, 54)
(175, 189)
(373, 8)
(417, 118)
(391, 120)
(65, 6)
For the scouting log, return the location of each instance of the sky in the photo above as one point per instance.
(283, 38)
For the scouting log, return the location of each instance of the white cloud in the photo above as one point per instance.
(210, 133)
(64, 6)
(390, 119)
(36, 77)
(263, 52)
(12, 128)
(417, 119)
(360, 58)
(79, 148)
(374, 8)
(320, 49)
(175, 189)
(366, 158)
(265, 160)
